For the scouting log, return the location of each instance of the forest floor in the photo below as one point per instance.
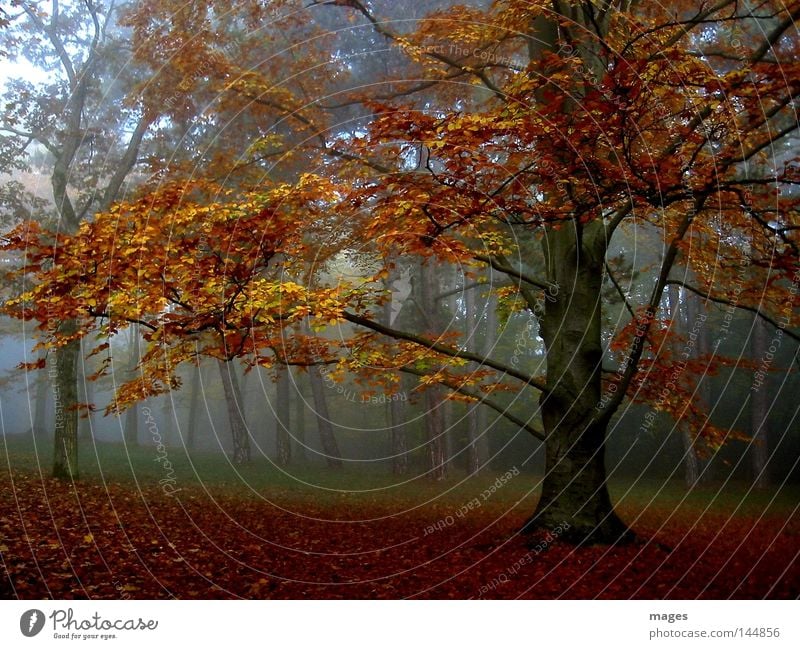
(203, 529)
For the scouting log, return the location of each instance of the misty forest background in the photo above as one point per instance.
(325, 447)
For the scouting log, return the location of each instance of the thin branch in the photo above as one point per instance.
(502, 266)
(55, 41)
(445, 350)
(381, 29)
(744, 307)
(483, 399)
(469, 287)
(31, 135)
(620, 291)
(604, 413)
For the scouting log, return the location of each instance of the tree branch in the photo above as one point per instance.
(486, 401)
(604, 413)
(445, 350)
(498, 264)
(721, 300)
(620, 291)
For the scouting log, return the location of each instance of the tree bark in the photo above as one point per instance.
(473, 416)
(81, 70)
(330, 447)
(233, 403)
(299, 419)
(85, 396)
(398, 436)
(65, 457)
(575, 490)
(759, 411)
(434, 395)
(283, 436)
(194, 403)
(40, 407)
(691, 467)
(489, 339)
(131, 425)
(435, 429)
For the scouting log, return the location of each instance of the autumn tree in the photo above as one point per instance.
(83, 116)
(519, 139)
(596, 116)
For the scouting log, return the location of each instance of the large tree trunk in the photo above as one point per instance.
(759, 411)
(65, 456)
(575, 494)
(233, 403)
(283, 436)
(326, 435)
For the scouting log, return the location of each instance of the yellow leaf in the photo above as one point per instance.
(89, 538)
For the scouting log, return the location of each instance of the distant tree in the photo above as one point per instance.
(86, 117)
(759, 408)
(283, 424)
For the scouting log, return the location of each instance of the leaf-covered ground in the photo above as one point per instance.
(219, 539)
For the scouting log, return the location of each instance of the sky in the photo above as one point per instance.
(20, 68)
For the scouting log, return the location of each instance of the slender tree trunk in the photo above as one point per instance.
(574, 490)
(283, 435)
(86, 396)
(434, 396)
(691, 467)
(435, 430)
(40, 411)
(299, 420)
(73, 137)
(696, 308)
(326, 435)
(759, 411)
(233, 403)
(194, 404)
(473, 431)
(65, 458)
(131, 426)
(473, 416)
(444, 309)
(398, 436)
(490, 337)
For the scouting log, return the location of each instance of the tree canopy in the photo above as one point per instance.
(516, 141)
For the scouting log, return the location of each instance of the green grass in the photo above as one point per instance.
(117, 463)
(359, 483)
